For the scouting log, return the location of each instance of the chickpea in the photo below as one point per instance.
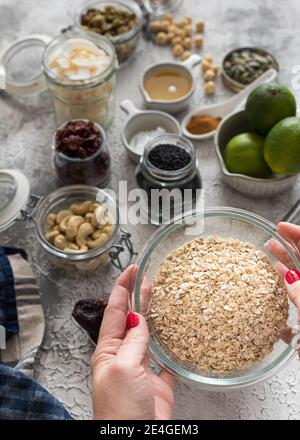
(210, 88)
(187, 43)
(188, 30)
(172, 29)
(169, 18)
(215, 69)
(170, 36)
(178, 50)
(200, 25)
(209, 75)
(208, 57)
(180, 33)
(187, 20)
(161, 38)
(154, 27)
(198, 41)
(183, 23)
(176, 40)
(186, 55)
(164, 26)
(177, 23)
(205, 65)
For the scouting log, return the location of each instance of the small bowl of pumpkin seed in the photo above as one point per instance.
(119, 20)
(244, 65)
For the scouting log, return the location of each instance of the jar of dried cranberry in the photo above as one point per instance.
(80, 154)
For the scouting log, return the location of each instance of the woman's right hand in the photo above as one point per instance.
(291, 234)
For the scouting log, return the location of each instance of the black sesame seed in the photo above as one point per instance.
(168, 157)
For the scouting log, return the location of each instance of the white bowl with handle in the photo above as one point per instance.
(177, 105)
(223, 109)
(144, 120)
(234, 125)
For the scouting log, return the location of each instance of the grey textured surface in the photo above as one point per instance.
(25, 131)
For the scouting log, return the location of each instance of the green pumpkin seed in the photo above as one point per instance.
(109, 21)
(245, 66)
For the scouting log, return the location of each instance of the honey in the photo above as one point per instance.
(167, 85)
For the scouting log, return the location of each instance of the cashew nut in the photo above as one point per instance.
(93, 219)
(51, 219)
(96, 234)
(107, 230)
(72, 226)
(60, 242)
(71, 250)
(84, 231)
(62, 214)
(89, 217)
(81, 208)
(51, 235)
(64, 223)
(72, 247)
(94, 206)
(100, 214)
(81, 227)
(93, 244)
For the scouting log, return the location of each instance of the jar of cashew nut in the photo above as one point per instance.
(78, 227)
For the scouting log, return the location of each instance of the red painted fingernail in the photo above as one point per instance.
(132, 321)
(292, 276)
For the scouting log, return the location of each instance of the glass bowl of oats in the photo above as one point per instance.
(218, 311)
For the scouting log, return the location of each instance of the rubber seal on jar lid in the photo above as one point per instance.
(22, 64)
(14, 195)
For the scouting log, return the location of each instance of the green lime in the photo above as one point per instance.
(269, 104)
(244, 155)
(282, 147)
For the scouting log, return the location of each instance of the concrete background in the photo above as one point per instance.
(26, 127)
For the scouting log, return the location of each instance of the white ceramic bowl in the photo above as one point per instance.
(178, 105)
(231, 126)
(144, 120)
(225, 108)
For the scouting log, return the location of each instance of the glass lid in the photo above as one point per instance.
(22, 64)
(14, 195)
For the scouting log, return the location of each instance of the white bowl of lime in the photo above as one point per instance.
(236, 124)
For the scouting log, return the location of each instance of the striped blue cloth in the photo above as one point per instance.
(21, 398)
(8, 305)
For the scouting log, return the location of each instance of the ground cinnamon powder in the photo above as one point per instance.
(202, 124)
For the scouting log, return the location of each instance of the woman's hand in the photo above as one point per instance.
(291, 234)
(123, 386)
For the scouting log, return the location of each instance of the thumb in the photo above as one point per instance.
(134, 347)
(292, 282)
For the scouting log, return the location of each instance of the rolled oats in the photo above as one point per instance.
(219, 304)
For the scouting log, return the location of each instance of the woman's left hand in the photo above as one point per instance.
(123, 386)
